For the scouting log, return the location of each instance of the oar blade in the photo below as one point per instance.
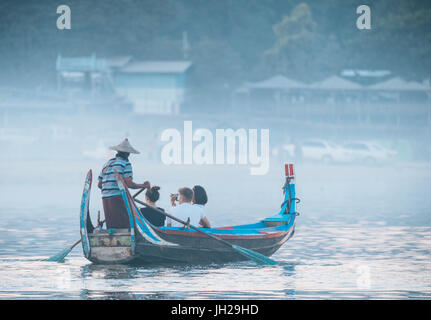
(255, 256)
(59, 257)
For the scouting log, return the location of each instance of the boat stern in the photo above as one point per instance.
(111, 246)
(288, 212)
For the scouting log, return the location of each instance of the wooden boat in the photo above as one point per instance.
(145, 243)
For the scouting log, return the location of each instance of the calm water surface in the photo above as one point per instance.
(363, 233)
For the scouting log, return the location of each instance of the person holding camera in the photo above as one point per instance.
(185, 210)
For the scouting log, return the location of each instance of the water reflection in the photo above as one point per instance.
(116, 271)
(324, 260)
(96, 295)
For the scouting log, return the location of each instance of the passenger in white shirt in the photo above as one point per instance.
(184, 209)
(200, 199)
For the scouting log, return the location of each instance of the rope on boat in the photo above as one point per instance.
(289, 201)
(297, 200)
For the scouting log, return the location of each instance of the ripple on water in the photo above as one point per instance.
(322, 261)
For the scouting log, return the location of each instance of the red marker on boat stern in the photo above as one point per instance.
(288, 169)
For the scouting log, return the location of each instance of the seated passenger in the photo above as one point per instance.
(184, 210)
(155, 218)
(200, 199)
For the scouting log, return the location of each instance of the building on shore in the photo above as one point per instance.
(336, 100)
(151, 87)
(154, 87)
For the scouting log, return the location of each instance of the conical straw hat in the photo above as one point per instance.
(125, 146)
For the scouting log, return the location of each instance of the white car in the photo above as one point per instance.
(324, 151)
(369, 152)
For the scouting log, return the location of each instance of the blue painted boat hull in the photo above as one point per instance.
(143, 243)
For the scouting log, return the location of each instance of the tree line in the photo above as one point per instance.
(231, 41)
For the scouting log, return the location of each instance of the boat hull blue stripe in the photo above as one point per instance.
(84, 214)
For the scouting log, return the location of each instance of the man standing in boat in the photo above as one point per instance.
(115, 210)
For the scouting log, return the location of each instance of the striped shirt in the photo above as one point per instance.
(107, 175)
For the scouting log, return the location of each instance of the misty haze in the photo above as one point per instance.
(349, 107)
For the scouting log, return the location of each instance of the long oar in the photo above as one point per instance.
(248, 253)
(138, 193)
(63, 253)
